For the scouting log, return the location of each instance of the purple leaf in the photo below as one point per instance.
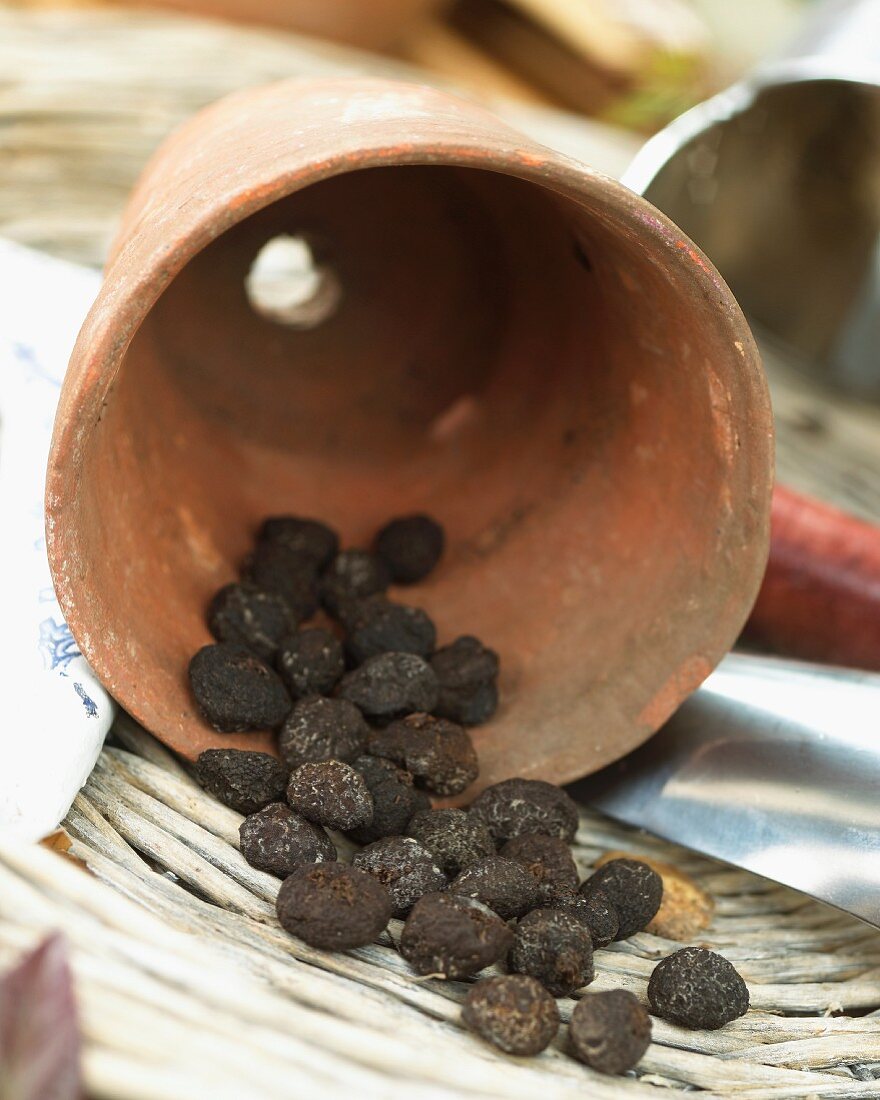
(39, 1035)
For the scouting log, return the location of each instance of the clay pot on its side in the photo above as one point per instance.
(517, 345)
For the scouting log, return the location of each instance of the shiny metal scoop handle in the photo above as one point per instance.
(773, 766)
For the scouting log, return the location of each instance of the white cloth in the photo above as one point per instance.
(54, 714)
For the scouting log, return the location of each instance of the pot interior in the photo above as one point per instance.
(534, 372)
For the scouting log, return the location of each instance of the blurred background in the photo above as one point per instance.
(88, 90)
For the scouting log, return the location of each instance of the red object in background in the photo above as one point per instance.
(820, 599)
(39, 1030)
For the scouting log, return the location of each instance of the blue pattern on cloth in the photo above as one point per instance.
(56, 707)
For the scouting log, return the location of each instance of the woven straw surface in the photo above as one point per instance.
(189, 988)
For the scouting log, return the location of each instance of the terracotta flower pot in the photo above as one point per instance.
(518, 345)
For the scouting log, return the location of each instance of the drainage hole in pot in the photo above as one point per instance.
(288, 286)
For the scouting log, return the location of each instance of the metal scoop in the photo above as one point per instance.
(773, 766)
(778, 180)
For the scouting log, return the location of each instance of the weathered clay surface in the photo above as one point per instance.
(523, 348)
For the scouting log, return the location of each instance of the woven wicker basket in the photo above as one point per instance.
(188, 987)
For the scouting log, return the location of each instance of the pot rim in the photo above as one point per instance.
(126, 298)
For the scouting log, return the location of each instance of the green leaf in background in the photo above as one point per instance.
(667, 85)
(39, 1033)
